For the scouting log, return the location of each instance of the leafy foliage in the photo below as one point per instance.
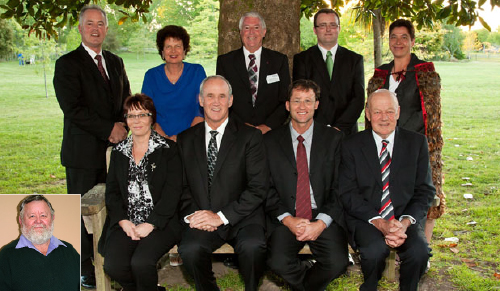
(44, 18)
(6, 38)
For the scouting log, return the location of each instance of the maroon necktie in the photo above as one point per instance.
(101, 68)
(303, 195)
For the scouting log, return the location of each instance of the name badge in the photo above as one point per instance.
(272, 78)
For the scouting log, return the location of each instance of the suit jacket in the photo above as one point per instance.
(342, 97)
(240, 180)
(323, 172)
(164, 178)
(410, 182)
(271, 96)
(90, 106)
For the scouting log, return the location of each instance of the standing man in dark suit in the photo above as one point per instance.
(304, 157)
(259, 77)
(338, 71)
(386, 189)
(226, 181)
(90, 85)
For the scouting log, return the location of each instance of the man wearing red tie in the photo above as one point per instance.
(302, 203)
(386, 189)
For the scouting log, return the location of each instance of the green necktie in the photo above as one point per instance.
(329, 63)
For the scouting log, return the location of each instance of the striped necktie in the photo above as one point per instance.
(386, 210)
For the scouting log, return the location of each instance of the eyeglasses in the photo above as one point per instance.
(139, 116)
(328, 25)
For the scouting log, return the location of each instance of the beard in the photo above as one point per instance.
(37, 237)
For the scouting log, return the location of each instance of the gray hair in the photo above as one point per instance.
(252, 14)
(392, 94)
(32, 198)
(92, 7)
(230, 89)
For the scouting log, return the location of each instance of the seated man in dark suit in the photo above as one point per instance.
(259, 77)
(304, 158)
(338, 72)
(386, 189)
(225, 182)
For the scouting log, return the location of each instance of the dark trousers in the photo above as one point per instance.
(132, 263)
(196, 249)
(414, 254)
(329, 250)
(80, 181)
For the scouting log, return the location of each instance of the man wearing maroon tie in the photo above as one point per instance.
(90, 85)
(302, 204)
(386, 189)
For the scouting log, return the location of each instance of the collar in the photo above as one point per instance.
(324, 50)
(378, 141)
(219, 129)
(307, 135)
(24, 242)
(91, 52)
(155, 141)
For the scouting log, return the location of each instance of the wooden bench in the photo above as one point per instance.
(94, 215)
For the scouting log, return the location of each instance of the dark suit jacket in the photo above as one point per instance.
(342, 97)
(164, 182)
(270, 103)
(323, 172)
(240, 180)
(90, 106)
(410, 182)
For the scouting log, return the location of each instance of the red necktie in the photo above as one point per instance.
(303, 195)
(101, 68)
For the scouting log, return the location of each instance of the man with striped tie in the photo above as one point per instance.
(386, 189)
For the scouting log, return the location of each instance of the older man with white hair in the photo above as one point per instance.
(38, 260)
(259, 77)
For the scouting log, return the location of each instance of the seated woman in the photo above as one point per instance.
(143, 189)
(175, 85)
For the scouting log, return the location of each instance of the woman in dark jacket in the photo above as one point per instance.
(143, 188)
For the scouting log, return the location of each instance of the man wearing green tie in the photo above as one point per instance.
(338, 71)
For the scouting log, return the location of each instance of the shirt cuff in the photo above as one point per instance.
(186, 220)
(325, 218)
(373, 218)
(223, 218)
(280, 218)
(412, 220)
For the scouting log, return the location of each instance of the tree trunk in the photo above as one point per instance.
(282, 21)
(378, 25)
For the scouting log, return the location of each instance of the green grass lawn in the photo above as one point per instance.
(31, 132)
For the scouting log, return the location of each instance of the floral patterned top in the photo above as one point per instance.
(140, 202)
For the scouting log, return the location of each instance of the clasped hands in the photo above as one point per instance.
(136, 232)
(205, 220)
(304, 229)
(394, 231)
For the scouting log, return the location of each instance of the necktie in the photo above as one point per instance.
(329, 63)
(101, 68)
(212, 157)
(252, 76)
(386, 211)
(303, 195)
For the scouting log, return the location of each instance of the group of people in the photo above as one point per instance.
(249, 158)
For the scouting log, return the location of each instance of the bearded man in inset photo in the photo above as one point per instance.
(38, 260)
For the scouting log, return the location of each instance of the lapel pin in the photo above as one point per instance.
(153, 167)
